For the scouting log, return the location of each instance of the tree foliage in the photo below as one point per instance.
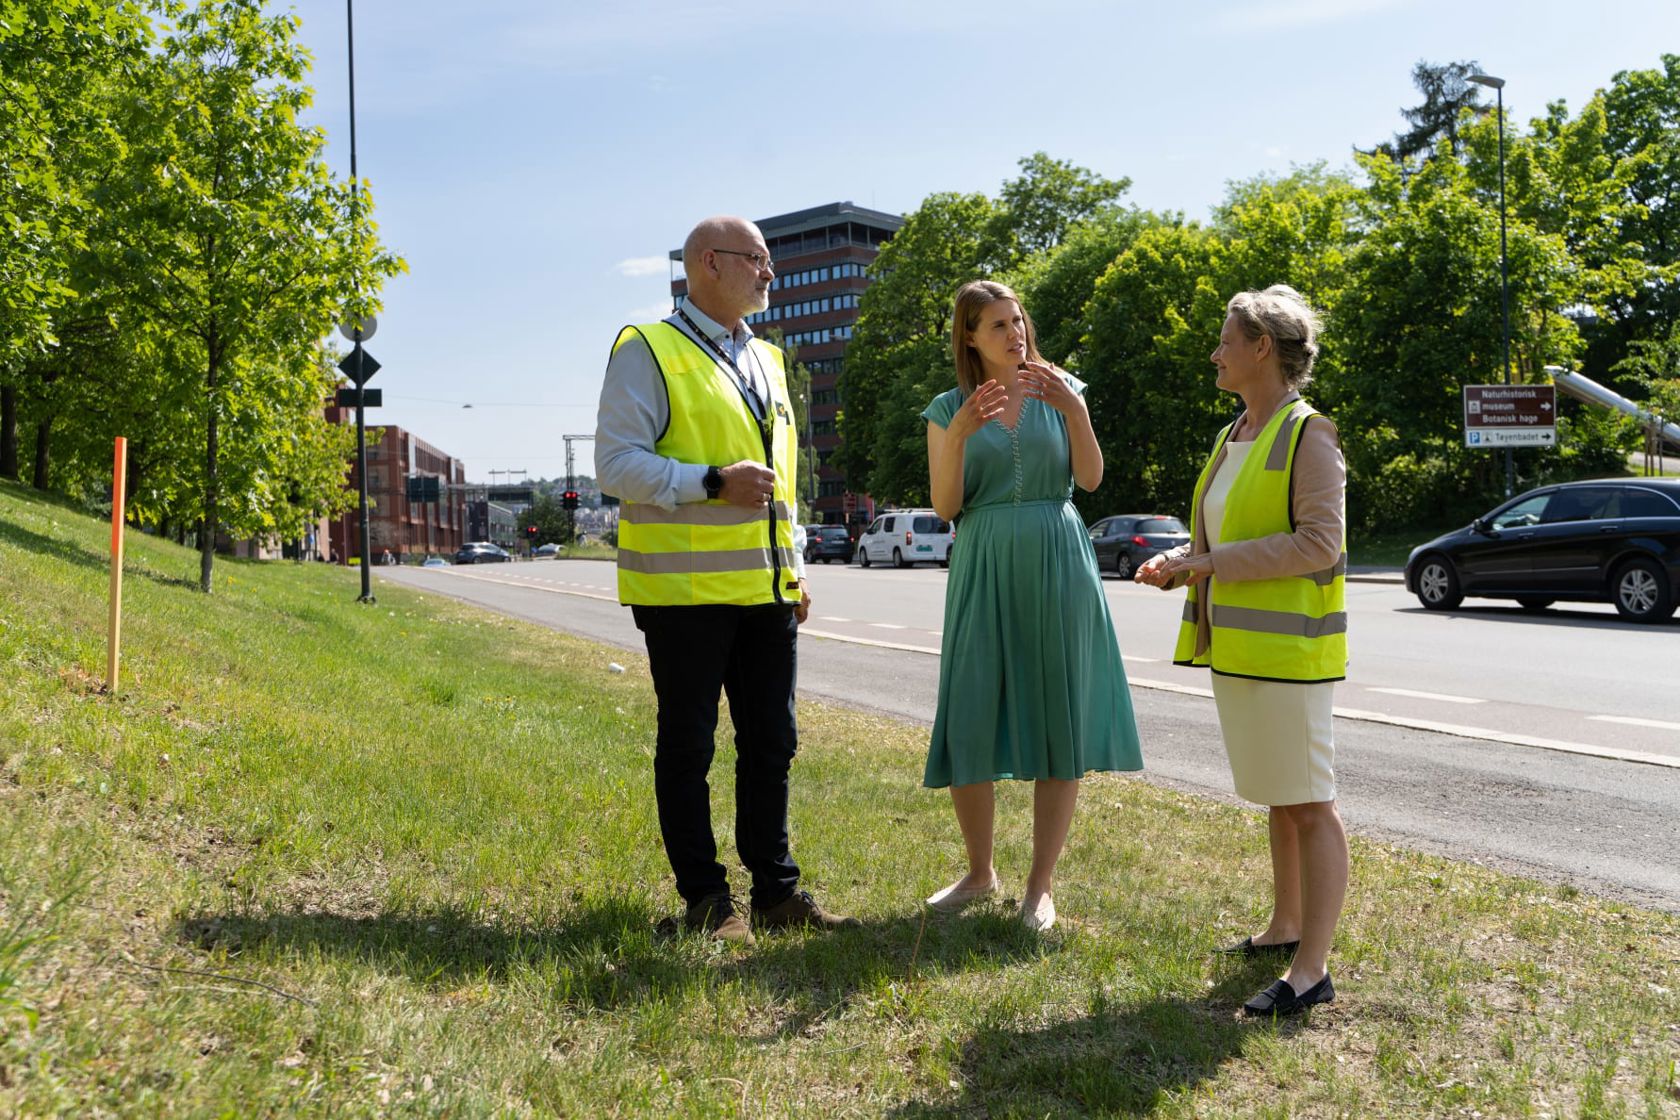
(210, 253)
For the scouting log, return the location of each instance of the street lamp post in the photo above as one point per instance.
(1498, 87)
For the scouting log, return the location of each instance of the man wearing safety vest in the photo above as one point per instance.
(696, 437)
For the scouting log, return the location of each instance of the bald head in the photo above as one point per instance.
(723, 281)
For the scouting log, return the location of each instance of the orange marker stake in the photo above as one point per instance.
(119, 498)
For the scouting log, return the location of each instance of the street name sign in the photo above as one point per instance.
(1510, 416)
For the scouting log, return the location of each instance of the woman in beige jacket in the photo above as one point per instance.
(1277, 733)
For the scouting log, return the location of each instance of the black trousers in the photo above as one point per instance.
(749, 654)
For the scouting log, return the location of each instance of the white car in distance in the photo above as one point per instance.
(903, 537)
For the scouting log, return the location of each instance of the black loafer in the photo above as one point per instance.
(1247, 948)
(1280, 999)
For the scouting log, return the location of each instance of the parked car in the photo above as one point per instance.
(481, 552)
(828, 542)
(905, 537)
(546, 551)
(1611, 540)
(1126, 540)
(434, 562)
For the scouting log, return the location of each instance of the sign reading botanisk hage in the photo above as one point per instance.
(1510, 416)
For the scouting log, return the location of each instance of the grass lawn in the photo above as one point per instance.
(323, 859)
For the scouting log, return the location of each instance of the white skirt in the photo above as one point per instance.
(1278, 737)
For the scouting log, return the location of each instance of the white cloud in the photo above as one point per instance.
(641, 266)
(1277, 15)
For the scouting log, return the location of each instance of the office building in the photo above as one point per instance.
(406, 528)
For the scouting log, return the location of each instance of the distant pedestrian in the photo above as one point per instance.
(1031, 685)
(696, 436)
(1266, 569)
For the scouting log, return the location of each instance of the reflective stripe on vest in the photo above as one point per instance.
(712, 552)
(1293, 628)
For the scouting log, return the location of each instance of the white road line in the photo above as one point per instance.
(806, 631)
(1482, 733)
(888, 626)
(1140, 660)
(1441, 696)
(832, 618)
(533, 587)
(1635, 721)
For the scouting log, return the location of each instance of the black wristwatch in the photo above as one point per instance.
(713, 481)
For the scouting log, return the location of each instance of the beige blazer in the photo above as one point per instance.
(1320, 508)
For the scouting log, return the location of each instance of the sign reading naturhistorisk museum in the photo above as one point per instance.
(1510, 415)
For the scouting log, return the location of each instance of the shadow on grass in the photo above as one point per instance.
(607, 954)
(99, 559)
(1118, 1061)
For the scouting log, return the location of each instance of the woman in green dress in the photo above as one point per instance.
(1030, 681)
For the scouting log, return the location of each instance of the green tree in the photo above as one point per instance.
(1037, 208)
(238, 246)
(59, 62)
(1447, 93)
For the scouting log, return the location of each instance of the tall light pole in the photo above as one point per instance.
(1498, 87)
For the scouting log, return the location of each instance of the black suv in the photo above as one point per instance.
(828, 542)
(1611, 540)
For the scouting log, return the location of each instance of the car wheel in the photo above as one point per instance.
(898, 559)
(863, 557)
(945, 563)
(1123, 564)
(1641, 591)
(1533, 603)
(1437, 584)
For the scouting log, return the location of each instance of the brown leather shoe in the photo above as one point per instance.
(800, 909)
(715, 914)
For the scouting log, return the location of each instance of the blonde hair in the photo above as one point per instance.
(972, 299)
(1283, 315)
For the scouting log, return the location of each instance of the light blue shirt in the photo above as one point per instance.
(634, 410)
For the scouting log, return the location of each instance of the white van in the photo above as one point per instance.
(903, 537)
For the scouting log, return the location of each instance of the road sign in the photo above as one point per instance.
(371, 398)
(359, 371)
(1510, 416)
(359, 330)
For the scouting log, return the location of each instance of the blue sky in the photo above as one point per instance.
(535, 161)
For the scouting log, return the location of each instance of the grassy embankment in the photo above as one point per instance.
(322, 859)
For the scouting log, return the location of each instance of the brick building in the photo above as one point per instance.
(821, 255)
(407, 529)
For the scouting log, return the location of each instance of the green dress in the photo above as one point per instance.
(1030, 680)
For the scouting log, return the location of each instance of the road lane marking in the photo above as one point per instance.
(888, 626)
(1441, 696)
(1481, 733)
(832, 618)
(1635, 721)
(1140, 660)
(529, 586)
(806, 631)
(1512, 738)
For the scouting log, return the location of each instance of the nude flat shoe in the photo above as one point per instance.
(1042, 917)
(949, 900)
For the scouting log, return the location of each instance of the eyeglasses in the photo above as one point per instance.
(757, 260)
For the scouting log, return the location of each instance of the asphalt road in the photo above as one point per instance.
(1544, 744)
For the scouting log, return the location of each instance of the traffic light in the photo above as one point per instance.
(569, 500)
(531, 531)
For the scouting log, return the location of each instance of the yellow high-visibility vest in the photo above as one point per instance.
(1288, 629)
(711, 551)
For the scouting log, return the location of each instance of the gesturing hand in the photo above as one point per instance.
(747, 484)
(982, 405)
(1042, 382)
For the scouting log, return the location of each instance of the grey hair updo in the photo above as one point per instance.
(1283, 314)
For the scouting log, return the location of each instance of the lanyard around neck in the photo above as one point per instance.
(741, 379)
